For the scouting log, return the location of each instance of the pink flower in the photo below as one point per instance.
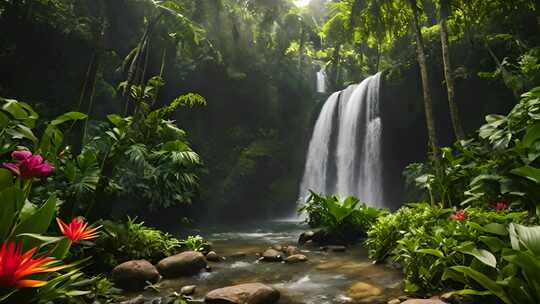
(28, 166)
(458, 215)
(501, 205)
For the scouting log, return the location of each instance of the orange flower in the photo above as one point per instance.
(15, 266)
(77, 230)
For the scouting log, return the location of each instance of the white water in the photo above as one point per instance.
(321, 81)
(348, 160)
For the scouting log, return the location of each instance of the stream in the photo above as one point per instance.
(325, 278)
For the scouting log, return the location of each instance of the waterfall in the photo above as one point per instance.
(344, 154)
(321, 81)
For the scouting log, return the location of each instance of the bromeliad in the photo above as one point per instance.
(15, 266)
(77, 230)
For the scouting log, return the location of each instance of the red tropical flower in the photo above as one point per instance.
(77, 230)
(458, 215)
(28, 166)
(15, 266)
(500, 205)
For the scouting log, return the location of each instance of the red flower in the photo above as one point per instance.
(16, 265)
(458, 215)
(28, 166)
(501, 205)
(77, 230)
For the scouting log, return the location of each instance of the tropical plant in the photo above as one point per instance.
(515, 264)
(196, 243)
(123, 241)
(345, 218)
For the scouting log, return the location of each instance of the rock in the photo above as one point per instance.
(394, 301)
(133, 275)
(238, 255)
(291, 250)
(305, 236)
(423, 301)
(335, 248)
(183, 264)
(277, 247)
(137, 300)
(361, 291)
(450, 297)
(272, 255)
(188, 290)
(251, 293)
(212, 256)
(296, 258)
(208, 268)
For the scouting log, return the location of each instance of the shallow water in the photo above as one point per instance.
(325, 278)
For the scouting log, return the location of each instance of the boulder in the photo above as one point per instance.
(296, 258)
(251, 293)
(137, 300)
(272, 255)
(134, 275)
(212, 256)
(277, 247)
(291, 250)
(305, 236)
(394, 301)
(183, 264)
(188, 290)
(362, 291)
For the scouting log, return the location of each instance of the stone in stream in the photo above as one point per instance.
(362, 291)
(251, 293)
(291, 250)
(394, 301)
(305, 236)
(134, 275)
(272, 255)
(277, 247)
(183, 264)
(296, 258)
(188, 290)
(137, 300)
(212, 256)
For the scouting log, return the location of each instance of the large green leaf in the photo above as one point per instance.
(40, 220)
(485, 282)
(529, 237)
(434, 252)
(532, 135)
(482, 255)
(22, 132)
(6, 178)
(528, 172)
(11, 202)
(69, 116)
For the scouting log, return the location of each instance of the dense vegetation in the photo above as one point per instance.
(183, 111)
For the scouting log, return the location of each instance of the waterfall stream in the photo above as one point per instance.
(344, 154)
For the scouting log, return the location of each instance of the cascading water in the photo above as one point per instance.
(344, 153)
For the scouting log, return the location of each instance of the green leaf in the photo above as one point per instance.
(486, 282)
(39, 222)
(495, 228)
(69, 116)
(6, 178)
(482, 255)
(434, 252)
(495, 244)
(12, 201)
(528, 172)
(532, 135)
(21, 132)
(45, 240)
(529, 237)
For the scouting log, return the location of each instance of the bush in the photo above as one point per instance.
(347, 218)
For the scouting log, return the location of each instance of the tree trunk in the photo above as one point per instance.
(448, 74)
(428, 103)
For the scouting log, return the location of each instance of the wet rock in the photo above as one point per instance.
(277, 247)
(212, 256)
(394, 301)
(137, 300)
(423, 301)
(272, 255)
(296, 258)
(183, 264)
(305, 236)
(188, 290)
(363, 291)
(134, 275)
(251, 293)
(450, 297)
(335, 248)
(291, 250)
(208, 268)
